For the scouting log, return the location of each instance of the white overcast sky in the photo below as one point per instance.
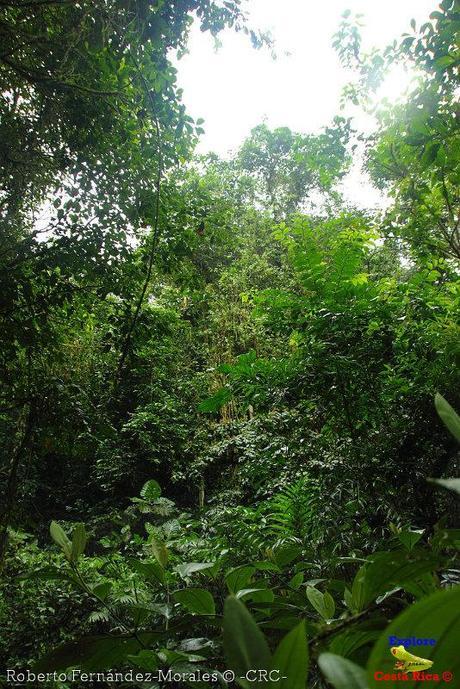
(236, 87)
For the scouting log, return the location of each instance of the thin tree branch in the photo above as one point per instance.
(156, 229)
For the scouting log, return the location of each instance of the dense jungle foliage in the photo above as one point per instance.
(223, 387)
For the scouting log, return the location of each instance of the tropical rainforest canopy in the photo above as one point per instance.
(227, 396)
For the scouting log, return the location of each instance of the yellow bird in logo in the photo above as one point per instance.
(408, 662)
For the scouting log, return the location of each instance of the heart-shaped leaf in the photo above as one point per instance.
(198, 601)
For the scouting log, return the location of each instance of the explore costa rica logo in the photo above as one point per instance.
(408, 666)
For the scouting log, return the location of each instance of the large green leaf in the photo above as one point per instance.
(342, 673)
(214, 403)
(160, 551)
(244, 644)
(387, 570)
(150, 571)
(449, 416)
(198, 601)
(60, 537)
(188, 568)
(52, 574)
(257, 595)
(436, 617)
(239, 578)
(291, 660)
(286, 553)
(322, 602)
(409, 539)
